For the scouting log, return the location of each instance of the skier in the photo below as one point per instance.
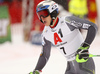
(64, 33)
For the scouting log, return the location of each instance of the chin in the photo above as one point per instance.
(46, 25)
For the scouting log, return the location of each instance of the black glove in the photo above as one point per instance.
(82, 53)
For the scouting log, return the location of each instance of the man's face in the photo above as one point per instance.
(45, 17)
(46, 20)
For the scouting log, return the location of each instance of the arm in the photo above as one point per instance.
(78, 23)
(44, 55)
(82, 53)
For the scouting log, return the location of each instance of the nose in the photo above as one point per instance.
(42, 18)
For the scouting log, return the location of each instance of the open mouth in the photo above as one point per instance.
(44, 22)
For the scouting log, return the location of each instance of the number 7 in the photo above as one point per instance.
(63, 50)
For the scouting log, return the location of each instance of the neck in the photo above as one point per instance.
(54, 22)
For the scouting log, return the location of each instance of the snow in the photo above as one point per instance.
(19, 57)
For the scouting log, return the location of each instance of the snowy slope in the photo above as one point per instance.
(19, 57)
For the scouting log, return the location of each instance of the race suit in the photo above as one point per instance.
(66, 36)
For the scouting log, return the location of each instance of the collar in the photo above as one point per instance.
(55, 23)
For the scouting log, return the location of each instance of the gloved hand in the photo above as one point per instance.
(35, 72)
(82, 53)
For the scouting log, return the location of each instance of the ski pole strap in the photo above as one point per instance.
(80, 60)
(85, 60)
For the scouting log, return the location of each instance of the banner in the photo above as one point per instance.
(92, 10)
(15, 11)
(36, 38)
(5, 31)
(37, 26)
(35, 17)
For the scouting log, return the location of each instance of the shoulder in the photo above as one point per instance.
(45, 30)
(61, 20)
(64, 18)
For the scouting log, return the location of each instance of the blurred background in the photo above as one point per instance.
(20, 34)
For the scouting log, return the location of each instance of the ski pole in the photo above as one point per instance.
(91, 55)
